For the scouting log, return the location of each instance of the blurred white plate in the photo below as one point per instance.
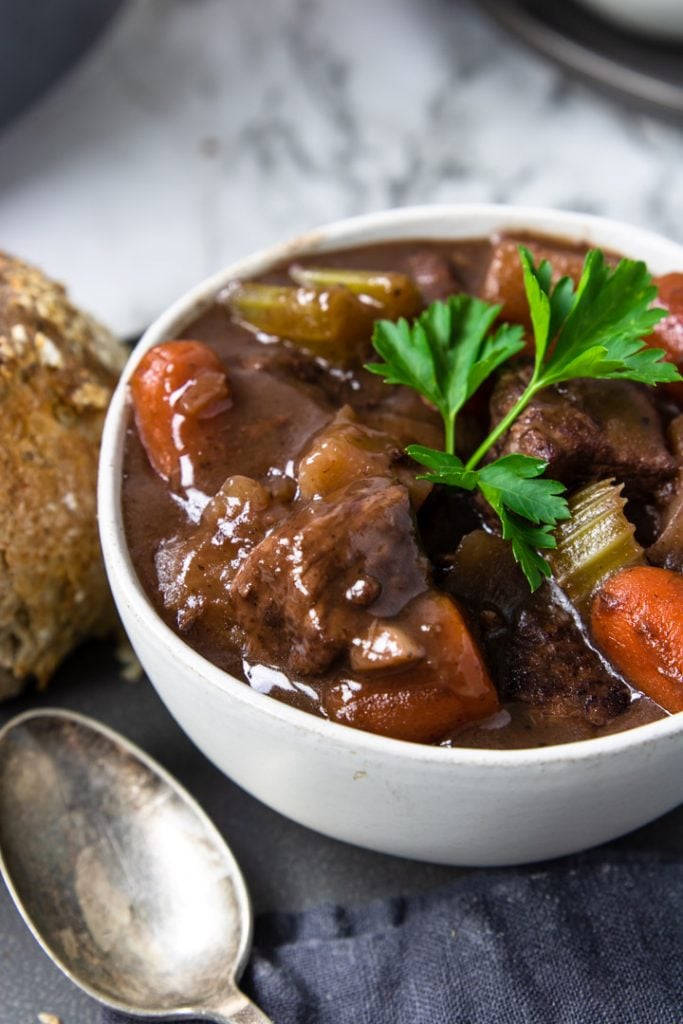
(643, 71)
(661, 19)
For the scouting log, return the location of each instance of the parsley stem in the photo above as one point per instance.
(449, 430)
(506, 422)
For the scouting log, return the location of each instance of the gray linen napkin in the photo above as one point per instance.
(592, 939)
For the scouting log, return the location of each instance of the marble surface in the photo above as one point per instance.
(198, 130)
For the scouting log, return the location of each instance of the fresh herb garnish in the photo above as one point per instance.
(446, 353)
(594, 331)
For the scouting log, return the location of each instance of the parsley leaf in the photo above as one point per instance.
(598, 331)
(515, 481)
(548, 306)
(595, 330)
(446, 354)
(446, 468)
(527, 504)
(525, 540)
(528, 509)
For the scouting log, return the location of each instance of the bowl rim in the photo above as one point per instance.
(397, 224)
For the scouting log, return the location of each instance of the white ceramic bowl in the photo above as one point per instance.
(473, 807)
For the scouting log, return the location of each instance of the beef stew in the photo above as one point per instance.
(286, 535)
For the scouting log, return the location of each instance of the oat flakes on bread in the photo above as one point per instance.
(58, 368)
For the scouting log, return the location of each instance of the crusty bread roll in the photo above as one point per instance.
(58, 368)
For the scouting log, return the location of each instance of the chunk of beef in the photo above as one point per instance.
(587, 430)
(194, 571)
(433, 274)
(446, 516)
(550, 666)
(483, 574)
(318, 578)
(667, 549)
(552, 427)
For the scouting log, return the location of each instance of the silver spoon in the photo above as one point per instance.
(121, 877)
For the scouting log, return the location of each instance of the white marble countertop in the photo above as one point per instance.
(198, 130)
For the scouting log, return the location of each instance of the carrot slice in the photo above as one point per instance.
(449, 687)
(668, 333)
(637, 621)
(175, 389)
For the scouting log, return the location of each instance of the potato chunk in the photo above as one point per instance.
(347, 450)
(332, 324)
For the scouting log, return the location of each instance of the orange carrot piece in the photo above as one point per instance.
(176, 387)
(637, 621)
(668, 333)
(447, 689)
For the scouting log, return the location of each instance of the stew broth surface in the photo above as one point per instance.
(281, 401)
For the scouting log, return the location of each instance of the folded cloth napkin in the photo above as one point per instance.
(585, 940)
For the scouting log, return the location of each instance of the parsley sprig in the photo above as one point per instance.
(594, 331)
(446, 354)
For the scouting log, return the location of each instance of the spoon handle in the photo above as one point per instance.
(240, 1010)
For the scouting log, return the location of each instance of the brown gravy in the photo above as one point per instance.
(275, 415)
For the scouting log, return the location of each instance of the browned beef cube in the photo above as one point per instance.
(194, 570)
(551, 427)
(303, 593)
(550, 666)
(667, 549)
(433, 274)
(587, 430)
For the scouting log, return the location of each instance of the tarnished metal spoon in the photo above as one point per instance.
(119, 874)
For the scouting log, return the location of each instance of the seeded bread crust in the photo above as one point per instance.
(58, 368)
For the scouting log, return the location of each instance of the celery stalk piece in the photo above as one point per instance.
(331, 323)
(395, 294)
(595, 543)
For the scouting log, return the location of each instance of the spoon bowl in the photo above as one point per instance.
(119, 874)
